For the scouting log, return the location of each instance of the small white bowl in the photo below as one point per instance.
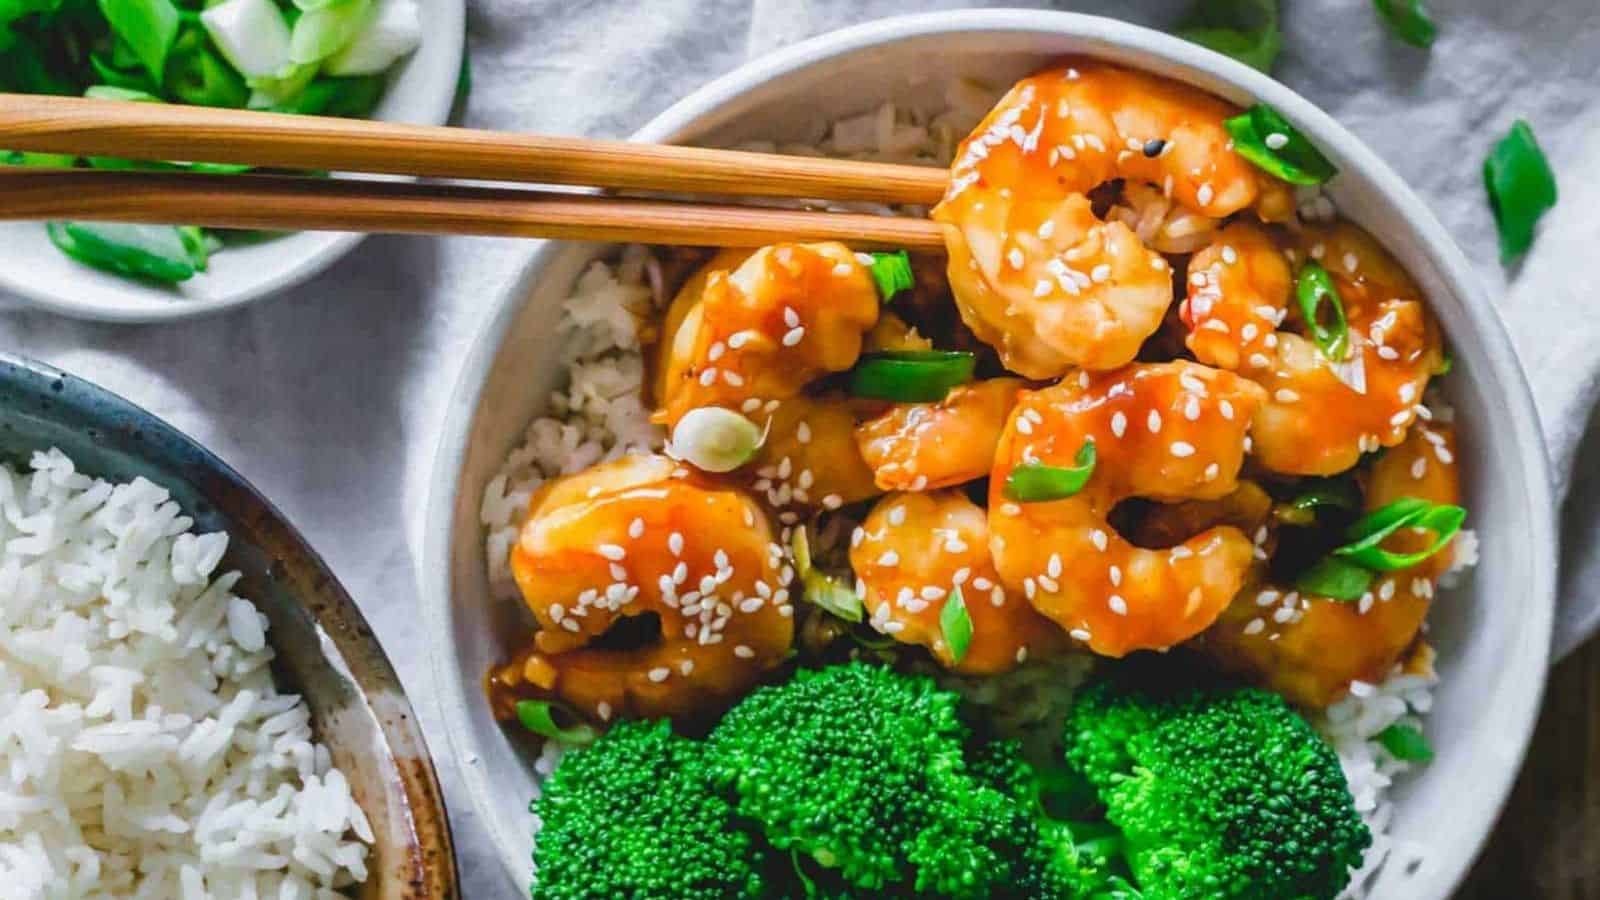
(1492, 634)
(421, 91)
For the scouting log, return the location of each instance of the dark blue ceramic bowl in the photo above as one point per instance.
(325, 649)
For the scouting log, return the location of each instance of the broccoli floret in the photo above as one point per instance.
(864, 771)
(635, 815)
(1219, 791)
(848, 764)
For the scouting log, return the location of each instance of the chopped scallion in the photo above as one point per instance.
(911, 376)
(1334, 578)
(892, 272)
(156, 252)
(1406, 742)
(1265, 138)
(1409, 21)
(1315, 290)
(831, 594)
(1368, 534)
(1035, 482)
(956, 624)
(1521, 188)
(1246, 30)
(538, 717)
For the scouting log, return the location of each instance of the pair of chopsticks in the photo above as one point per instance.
(148, 131)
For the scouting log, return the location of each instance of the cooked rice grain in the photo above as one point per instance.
(144, 750)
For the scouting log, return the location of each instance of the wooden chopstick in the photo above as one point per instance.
(347, 204)
(158, 131)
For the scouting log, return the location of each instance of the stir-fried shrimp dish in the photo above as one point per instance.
(1133, 496)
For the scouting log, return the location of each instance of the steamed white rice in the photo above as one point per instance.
(144, 750)
(599, 416)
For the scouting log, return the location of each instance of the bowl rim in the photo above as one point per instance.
(1506, 372)
(430, 104)
(213, 478)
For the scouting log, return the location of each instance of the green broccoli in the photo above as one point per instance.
(635, 816)
(1219, 791)
(864, 771)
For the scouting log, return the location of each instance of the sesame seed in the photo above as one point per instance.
(1386, 591)
(1101, 272)
(675, 543)
(740, 338)
(1015, 258)
(716, 351)
(750, 405)
(1407, 392)
(1283, 615)
(1198, 279)
(659, 674)
(889, 558)
(1191, 410)
(897, 516)
(1079, 634)
(1153, 422)
(1119, 423)
(1256, 626)
(1182, 449)
(1115, 572)
(1444, 455)
(794, 336)
(1099, 539)
(612, 552)
(1400, 417)
(1049, 584)
(686, 666)
(604, 709)
(932, 592)
(1227, 409)
(1047, 229)
(1249, 331)
(636, 528)
(1204, 195)
(1350, 262)
(790, 317)
(919, 483)
(981, 583)
(618, 573)
(1117, 604)
(832, 501)
(1284, 395)
(708, 377)
(1053, 568)
(1318, 250)
(961, 575)
(733, 378)
(1387, 352)
(1212, 471)
(1010, 509)
(1024, 425)
(1276, 140)
(1042, 287)
(1229, 255)
(1365, 604)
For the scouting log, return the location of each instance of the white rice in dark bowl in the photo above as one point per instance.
(144, 749)
(599, 416)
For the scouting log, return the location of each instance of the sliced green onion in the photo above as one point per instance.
(41, 160)
(351, 98)
(892, 272)
(1368, 534)
(713, 439)
(198, 76)
(1447, 361)
(1315, 290)
(1409, 21)
(1521, 188)
(321, 32)
(1406, 742)
(829, 593)
(156, 252)
(1035, 482)
(113, 92)
(956, 623)
(1265, 138)
(537, 717)
(1246, 30)
(1334, 578)
(251, 34)
(393, 30)
(197, 244)
(150, 27)
(800, 549)
(911, 376)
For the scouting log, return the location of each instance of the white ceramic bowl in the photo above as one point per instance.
(1492, 634)
(420, 92)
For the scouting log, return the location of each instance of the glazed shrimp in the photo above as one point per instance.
(788, 314)
(810, 460)
(1310, 649)
(1167, 432)
(1320, 416)
(913, 551)
(1035, 273)
(635, 537)
(924, 446)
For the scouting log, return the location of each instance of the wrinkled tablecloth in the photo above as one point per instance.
(329, 398)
